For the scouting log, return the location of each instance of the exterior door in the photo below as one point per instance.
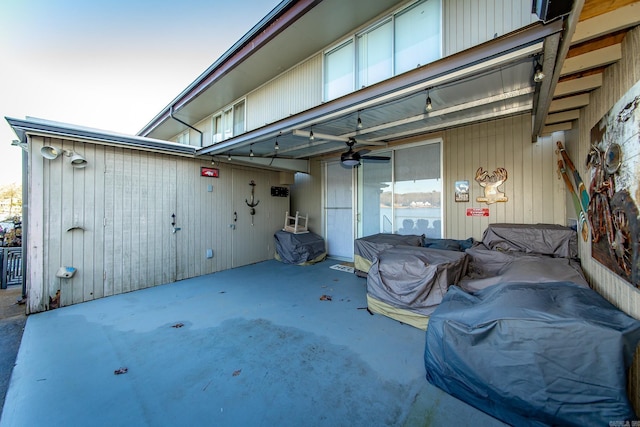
(338, 206)
(247, 240)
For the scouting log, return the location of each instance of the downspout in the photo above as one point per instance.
(184, 123)
(25, 220)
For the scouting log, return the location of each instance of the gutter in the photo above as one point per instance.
(49, 128)
(279, 19)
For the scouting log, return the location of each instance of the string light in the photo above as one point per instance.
(428, 106)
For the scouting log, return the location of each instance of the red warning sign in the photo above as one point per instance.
(477, 211)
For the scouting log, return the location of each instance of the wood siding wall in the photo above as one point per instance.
(469, 23)
(618, 79)
(307, 196)
(534, 189)
(296, 90)
(112, 221)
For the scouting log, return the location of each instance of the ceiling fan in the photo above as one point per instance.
(352, 158)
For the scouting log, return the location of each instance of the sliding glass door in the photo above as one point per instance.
(403, 196)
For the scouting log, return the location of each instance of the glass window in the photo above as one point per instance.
(375, 54)
(339, 71)
(238, 118)
(417, 189)
(374, 197)
(402, 196)
(417, 36)
(217, 128)
(183, 138)
(400, 43)
(227, 124)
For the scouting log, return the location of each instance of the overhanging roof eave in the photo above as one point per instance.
(23, 127)
(527, 36)
(263, 29)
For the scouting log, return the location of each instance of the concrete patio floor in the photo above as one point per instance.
(263, 345)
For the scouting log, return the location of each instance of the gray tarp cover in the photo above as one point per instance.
(414, 278)
(534, 354)
(369, 247)
(487, 268)
(545, 239)
(298, 248)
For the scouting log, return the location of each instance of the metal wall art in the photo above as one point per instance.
(614, 164)
(490, 183)
(252, 204)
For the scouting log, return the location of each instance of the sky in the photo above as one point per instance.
(110, 65)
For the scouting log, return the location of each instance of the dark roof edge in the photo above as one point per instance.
(22, 127)
(235, 55)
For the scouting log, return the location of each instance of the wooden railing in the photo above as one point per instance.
(11, 262)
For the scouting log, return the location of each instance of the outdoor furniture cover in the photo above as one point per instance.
(532, 253)
(301, 249)
(407, 283)
(544, 239)
(534, 354)
(487, 268)
(367, 248)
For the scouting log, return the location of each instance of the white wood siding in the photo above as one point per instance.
(296, 90)
(112, 221)
(469, 23)
(533, 187)
(306, 196)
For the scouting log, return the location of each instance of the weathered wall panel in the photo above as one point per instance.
(535, 193)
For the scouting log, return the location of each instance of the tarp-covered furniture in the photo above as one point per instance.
(534, 353)
(544, 239)
(530, 253)
(301, 249)
(367, 248)
(407, 283)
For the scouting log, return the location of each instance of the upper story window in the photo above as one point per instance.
(183, 138)
(398, 43)
(229, 122)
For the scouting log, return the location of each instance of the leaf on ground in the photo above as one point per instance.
(236, 373)
(121, 371)
(325, 298)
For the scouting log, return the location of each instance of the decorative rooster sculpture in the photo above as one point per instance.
(491, 184)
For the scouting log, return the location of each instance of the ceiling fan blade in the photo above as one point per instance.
(376, 158)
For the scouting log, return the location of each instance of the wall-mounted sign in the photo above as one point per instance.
(462, 191)
(477, 211)
(279, 192)
(490, 182)
(209, 172)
